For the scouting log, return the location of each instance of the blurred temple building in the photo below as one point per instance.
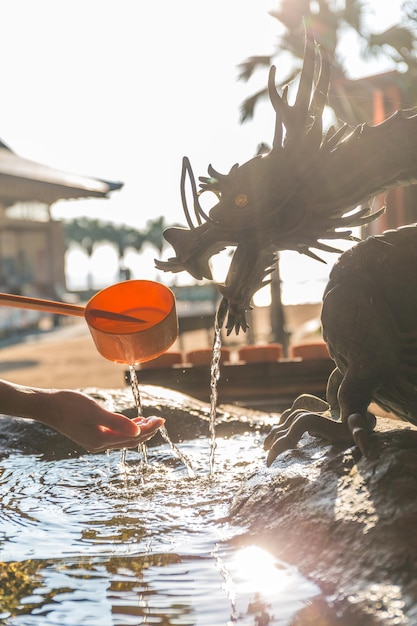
(32, 245)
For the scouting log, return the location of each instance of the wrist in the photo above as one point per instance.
(27, 402)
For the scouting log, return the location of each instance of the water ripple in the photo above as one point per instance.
(98, 541)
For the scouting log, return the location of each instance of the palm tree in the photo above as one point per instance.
(124, 237)
(154, 233)
(88, 233)
(329, 21)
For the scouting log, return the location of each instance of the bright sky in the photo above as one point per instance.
(122, 89)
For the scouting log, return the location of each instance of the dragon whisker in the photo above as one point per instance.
(198, 211)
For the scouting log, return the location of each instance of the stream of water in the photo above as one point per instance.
(142, 449)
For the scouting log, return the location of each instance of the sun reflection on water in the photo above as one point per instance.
(263, 587)
(258, 571)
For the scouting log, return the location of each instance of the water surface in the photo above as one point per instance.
(95, 541)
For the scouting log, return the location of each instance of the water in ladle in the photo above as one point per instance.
(143, 447)
(214, 377)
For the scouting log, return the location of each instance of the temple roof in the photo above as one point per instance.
(23, 180)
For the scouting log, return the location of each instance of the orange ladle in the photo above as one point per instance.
(130, 322)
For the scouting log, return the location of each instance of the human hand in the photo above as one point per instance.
(96, 429)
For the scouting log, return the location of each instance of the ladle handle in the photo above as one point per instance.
(62, 308)
(50, 306)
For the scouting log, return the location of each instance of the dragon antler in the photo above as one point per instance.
(307, 189)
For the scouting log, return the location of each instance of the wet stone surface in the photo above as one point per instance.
(347, 522)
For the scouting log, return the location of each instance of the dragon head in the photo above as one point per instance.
(311, 187)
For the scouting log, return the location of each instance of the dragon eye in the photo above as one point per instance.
(241, 200)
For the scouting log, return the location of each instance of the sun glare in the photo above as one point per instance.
(258, 583)
(257, 571)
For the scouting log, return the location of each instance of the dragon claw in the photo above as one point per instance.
(361, 427)
(281, 445)
(287, 435)
(297, 421)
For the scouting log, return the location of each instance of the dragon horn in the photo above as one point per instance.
(278, 105)
(322, 88)
(302, 100)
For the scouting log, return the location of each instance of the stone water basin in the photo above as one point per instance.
(104, 540)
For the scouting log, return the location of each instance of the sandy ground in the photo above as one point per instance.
(61, 358)
(67, 358)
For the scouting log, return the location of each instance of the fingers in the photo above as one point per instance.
(119, 423)
(148, 426)
(106, 438)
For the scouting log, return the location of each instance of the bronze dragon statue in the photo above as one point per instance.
(308, 189)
